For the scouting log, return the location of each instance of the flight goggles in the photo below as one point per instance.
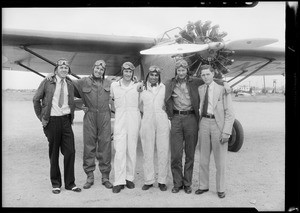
(181, 63)
(154, 68)
(61, 62)
(128, 65)
(100, 63)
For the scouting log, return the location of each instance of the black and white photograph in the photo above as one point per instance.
(164, 107)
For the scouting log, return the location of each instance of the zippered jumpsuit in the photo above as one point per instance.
(95, 95)
(155, 130)
(126, 130)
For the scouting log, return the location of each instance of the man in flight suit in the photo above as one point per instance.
(95, 93)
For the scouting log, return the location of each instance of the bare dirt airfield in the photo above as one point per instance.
(255, 174)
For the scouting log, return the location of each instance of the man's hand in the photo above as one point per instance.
(140, 87)
(44, 122)
(50, 76)
(224, 138)
(85, 109)
(227, 88)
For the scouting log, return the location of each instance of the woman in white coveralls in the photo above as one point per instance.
(126, 127)
(155, 130)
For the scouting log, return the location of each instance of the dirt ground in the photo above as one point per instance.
(255, 174)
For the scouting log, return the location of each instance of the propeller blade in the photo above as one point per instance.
(249, 43)
(175, 49)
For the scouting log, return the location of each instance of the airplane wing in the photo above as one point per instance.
(248, 60)
(82, 50)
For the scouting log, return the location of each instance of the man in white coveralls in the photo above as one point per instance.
(155, 129)
(126, 127)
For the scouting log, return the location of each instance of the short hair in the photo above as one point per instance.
(205, 67)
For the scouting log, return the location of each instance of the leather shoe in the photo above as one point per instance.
(188, 189)
(75, 189)
(107, 184)
(56, 190)
(117, 188)
(129, 184)
(200, 191)
(87, 185)
(221, 194)
(146, 187)
(176, 189)
(162, 187)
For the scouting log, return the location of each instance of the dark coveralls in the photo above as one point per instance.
(95, 94)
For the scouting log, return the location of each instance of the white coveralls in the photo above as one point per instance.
(126, 130)
(155, 129)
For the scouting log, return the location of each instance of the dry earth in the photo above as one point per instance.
(255, 174)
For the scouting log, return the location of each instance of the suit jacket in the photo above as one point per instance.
(192, 86)
(42, 100)
(222, 107)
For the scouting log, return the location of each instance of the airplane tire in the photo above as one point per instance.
(237, 137)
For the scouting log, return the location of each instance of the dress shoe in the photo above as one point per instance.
(74, 189)
(162, 187)
(107, 184)
(117, 188)
(176, 189)
(88, 185)
(129, 184)
(146, 187)
(188, 189)
(200, 191)
(221, 194)
(56, 190)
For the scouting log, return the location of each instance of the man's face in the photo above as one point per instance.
(181, 72)
(153, 77)
(127, 74)
(62, 71)
(98, 71)
(207, 76)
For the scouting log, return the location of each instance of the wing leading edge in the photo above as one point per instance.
(82, 50)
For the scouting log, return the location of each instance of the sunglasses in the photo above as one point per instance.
(128, 66)
(62, 62)
(154, 68)
(100, 63)
(181, 63)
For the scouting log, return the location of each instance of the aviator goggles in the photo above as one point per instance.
(181, 63)
(100, 63)
(61, 62)
(128, 65)
(154, 68)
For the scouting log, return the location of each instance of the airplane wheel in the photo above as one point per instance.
(237, 137)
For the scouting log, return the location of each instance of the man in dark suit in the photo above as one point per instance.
(54, 106)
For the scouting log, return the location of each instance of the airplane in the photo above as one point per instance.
(197, 42)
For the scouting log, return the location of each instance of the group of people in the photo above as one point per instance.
(172, 117)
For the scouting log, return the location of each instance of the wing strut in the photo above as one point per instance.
(243, 71)
(41, 57)
(270, 61)
(22, 65)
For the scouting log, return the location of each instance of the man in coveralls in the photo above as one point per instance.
(155, 130)
(126, 127)
(95, 93)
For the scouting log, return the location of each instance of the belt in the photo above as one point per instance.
(61, 116)
(183, 112)
(208, 116)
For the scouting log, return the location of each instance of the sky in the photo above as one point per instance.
(266, 20)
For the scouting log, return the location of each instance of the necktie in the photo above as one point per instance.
(61, 95)
(205, 105)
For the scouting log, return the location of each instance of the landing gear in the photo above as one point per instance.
(237, 137)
